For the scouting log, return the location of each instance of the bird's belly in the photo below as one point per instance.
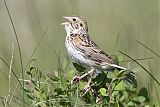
(78, 57)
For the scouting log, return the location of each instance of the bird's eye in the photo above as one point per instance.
(74, 19)
(81, 24)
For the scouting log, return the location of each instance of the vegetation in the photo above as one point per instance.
(108, 89)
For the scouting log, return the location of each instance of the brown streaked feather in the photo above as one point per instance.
(90, 50)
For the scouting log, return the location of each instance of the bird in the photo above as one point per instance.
(85, 52)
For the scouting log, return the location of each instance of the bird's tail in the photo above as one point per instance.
(129, 76)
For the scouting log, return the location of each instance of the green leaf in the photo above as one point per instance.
(110, 75)
(116, 72)
(32, 68)
(131, 104)
(34, 82)
(124, 96)
(27, 91)
(36, 93)
(53, 77)
(120, 86)
(58, 90)
(148, 106)
(140, 99)
(114, 93)
(39, 74)
(121, 74)
(103, 91)
(29, 73)
(79, 68)
(30, 97)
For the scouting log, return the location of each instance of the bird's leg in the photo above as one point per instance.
(87, 87)
(78, 78)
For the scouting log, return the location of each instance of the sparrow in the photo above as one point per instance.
(85, 52)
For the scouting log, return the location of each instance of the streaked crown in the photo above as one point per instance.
(75, 23)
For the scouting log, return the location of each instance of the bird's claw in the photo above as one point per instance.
(76, 79)
(86, 88)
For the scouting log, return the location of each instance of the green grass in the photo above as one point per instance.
(107, 89)
(55, 90)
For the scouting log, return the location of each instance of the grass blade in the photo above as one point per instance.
(60, 69)
(9, 77)
(19, 99)
(35, 49)
(139, 59)
(148, 48)
(11, 71)
(19, 49)
(157, 95)
(141, 67)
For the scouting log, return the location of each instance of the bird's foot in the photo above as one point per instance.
(76, 79)
(87, 87)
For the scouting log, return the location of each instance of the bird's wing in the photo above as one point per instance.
(90, 50)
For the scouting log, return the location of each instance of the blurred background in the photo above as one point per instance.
(113, 24)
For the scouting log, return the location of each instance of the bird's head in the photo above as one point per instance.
(75, 24)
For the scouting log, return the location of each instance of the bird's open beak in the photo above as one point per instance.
(68, 19)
